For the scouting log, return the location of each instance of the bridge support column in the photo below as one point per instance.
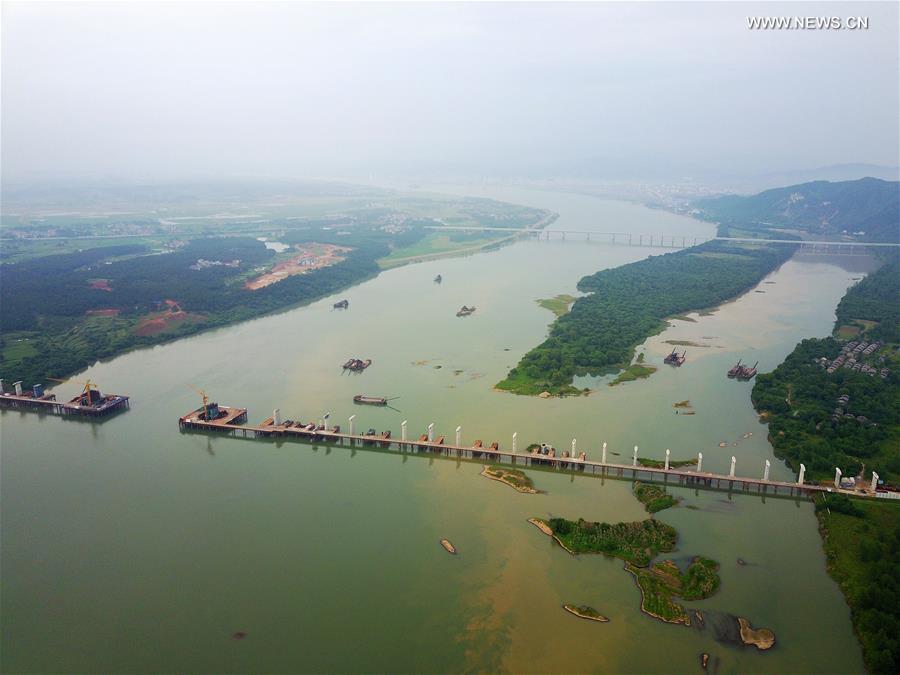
(766, 472)
(699, 462)
(352, 418)
(874, 481)
(837, 477)
(634, 461)
(667, 459)
(458, 436)
(572, 454)
(403, 430)
(802, 473)
(276, 417)
(603, 454)
(515, 436)
(733, 462)
(431, 432)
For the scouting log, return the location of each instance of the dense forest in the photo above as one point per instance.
(53, 307)
(875, 298)
(627, 304)
(799, 397)
(862, 548)
(868, 205)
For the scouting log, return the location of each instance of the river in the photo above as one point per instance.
(128, 546)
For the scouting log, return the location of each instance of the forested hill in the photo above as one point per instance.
(627, 304)
(868, 205)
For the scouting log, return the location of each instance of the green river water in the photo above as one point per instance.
(128, 546)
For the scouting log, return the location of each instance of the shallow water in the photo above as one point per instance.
(128, 546)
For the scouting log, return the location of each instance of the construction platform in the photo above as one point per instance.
(105, 406)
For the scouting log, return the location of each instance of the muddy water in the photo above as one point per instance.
(128, 546)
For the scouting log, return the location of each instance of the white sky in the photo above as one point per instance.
(323, 89)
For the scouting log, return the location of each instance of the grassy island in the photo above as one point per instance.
(636, 543)
(585, 612)
(558, 305)
(653, 498)
(516, 479)
(664, 581)
(636, 371)
(627, 304)
(659, 463)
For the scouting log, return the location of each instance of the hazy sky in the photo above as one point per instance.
(166, 90)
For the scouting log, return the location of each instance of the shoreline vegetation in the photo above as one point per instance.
(860, 537)
(623, 306)
(517, 480)
(127, 296)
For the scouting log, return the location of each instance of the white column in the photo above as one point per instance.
(766, 472)
(634, 461)
(431, 432)
(699, 462)
(1, 385)
(603, 455)
(802, 473)
(458, 435)
(733, 462)
(667, 459)
(837, 477)
(352, 417)
(515, 436)
(18, 386)
(874, 481)
(573, 448)
(276, 417)
(403, 430)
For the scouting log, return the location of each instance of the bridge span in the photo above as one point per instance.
(232, 421)
(668, 240)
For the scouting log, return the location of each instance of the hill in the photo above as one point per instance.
(869, 205)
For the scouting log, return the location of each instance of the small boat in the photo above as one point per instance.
(735, 369)
(450, 548)
(438, 279)
(369, 400)
(343, 304)
(465, 311)
(747, 373)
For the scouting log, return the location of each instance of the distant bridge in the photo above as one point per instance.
(667, 240)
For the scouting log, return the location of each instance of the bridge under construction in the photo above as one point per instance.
(232, 421)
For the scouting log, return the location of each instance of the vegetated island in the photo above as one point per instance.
(663, 581)
(637, 543)
(559, 305)
(625, 305)
(654, 498)
(659, 463)
(518, 480)
(585, 612)
(848, 418)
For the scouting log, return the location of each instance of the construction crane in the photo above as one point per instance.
(203, 394)
(87, 384)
